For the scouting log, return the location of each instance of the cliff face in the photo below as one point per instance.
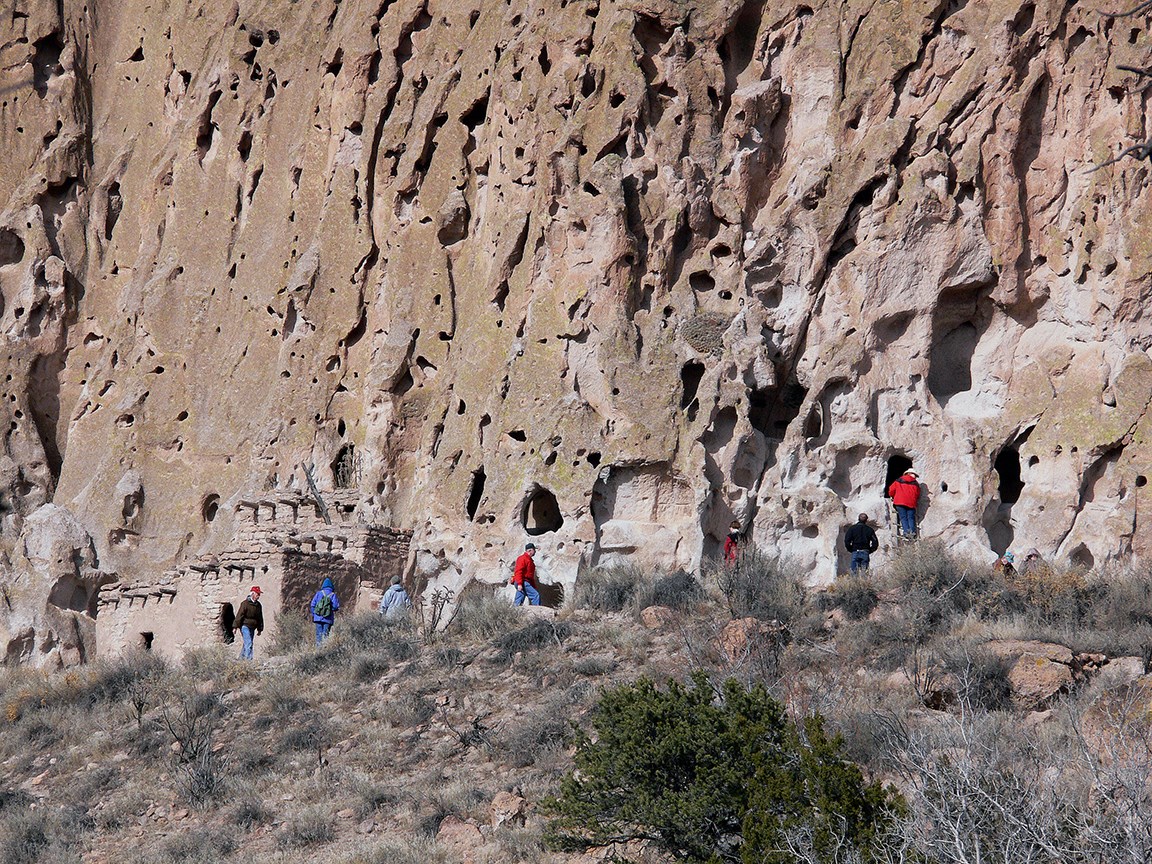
(614, 272)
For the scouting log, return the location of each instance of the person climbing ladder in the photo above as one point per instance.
(905, 495)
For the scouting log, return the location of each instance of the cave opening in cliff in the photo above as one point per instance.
(344, 467)
(960, 318)
(146, 640)
(1082, 557)
(541, 513)
(690, 375)
(475, 493)
(11, 247)
(950, 365)
(897, 465)
(771, 411)
(1007, 467)
(210, 507)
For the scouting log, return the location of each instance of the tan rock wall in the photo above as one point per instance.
(497, 262)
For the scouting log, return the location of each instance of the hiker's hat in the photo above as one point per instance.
(255, 589)
(911, 473)
(528, 546)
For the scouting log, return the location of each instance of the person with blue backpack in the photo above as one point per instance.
(324, 607)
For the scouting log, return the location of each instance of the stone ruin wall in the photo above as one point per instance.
(612, 272)
(281, 544)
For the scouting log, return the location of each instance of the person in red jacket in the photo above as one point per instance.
(732, 543)
(905, 495)
(524, 577)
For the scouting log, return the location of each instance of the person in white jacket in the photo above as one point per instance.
(395, 601)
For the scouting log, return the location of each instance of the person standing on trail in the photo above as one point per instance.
(395, 601)
(905, 495)
(325, 603)
(249, 621)
(732, 543)
(860, 540)
(524, 577)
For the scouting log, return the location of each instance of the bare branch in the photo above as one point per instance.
(1139, 151)
(1144, 6)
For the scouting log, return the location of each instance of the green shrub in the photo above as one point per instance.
(707, 776)
(759, 585)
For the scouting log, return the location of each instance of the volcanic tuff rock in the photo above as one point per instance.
(611, 271)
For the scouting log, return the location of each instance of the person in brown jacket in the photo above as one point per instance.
(250, 621)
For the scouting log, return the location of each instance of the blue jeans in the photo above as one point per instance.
(527, 591)
(246, 650)
(859, 560)
(907, 516)
(323, 628)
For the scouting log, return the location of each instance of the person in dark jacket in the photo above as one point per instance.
(250, 621)
(524, 577)
(325, 603)
(905, 495)
(860, 540)
(732, 543)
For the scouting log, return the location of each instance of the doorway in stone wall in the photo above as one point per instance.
(551, 595)
(227, 622)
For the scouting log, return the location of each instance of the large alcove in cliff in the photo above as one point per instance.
(960, 318)
(541, 513)
(1007, 467)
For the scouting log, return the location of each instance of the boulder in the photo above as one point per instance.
(459, 838)
(744, 637)
(657, 617)
(1119, 720)
(507, 808)
(1040, 671)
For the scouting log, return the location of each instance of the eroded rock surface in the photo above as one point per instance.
(607, 273)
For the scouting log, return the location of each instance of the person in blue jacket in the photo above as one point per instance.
(324, 606)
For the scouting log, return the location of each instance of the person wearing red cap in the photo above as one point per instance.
(524, 577)
(250, 621)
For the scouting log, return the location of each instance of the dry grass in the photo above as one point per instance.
(380, 726)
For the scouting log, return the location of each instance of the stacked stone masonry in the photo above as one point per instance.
(282, 544)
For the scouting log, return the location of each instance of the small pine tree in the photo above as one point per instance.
(707, 776)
